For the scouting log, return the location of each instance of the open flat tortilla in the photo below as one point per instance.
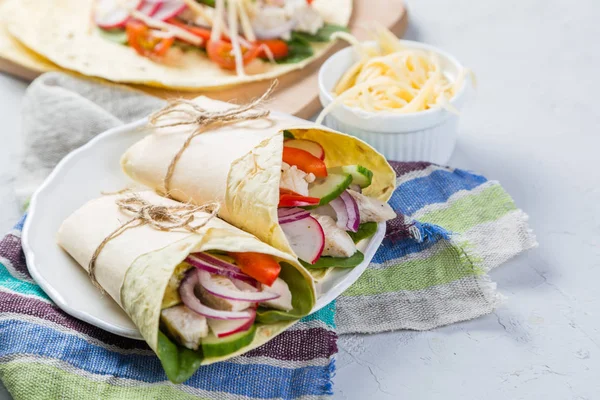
(136, 266)
(63, 32)
(240, 166)
(12, 50)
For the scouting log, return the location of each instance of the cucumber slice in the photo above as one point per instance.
(114, 35)
(330, 187)
(288, 135)
(361, 176)
(337, 262)
(213, 346)
(365, 230)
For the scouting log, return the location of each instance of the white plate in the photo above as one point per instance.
(82, 176)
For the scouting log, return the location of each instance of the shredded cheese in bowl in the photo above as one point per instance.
(389, 77)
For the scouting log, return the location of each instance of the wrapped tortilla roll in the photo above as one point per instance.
(241, 165)
(191, 294)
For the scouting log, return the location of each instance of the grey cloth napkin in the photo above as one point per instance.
(62, 112)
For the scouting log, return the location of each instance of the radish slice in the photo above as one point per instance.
(186, 291)
(149, 8)
(306, 237)
(218, 270)
(313, 148)
(215, 289)
(352, 211)
(110, 14)
(169, 9)
(223, 328)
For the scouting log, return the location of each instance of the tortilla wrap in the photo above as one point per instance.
(12, 50)
(239, 165)
(63, 32)
(136, 265)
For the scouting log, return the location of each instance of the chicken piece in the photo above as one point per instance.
(308, 18)
(184, 325)
(294, 179)
(284, 301)
(337, 241)
(219, 303)
(372, 210)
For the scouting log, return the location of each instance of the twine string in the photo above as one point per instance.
(163, 218)
(201, 118)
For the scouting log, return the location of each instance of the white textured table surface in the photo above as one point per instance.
(535, 127)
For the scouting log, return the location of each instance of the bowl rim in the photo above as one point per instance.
(334, 58)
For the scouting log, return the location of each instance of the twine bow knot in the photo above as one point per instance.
(163, 218)
(191, 114)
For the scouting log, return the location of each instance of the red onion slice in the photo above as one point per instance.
(226, 293)
(294, 217)
(346, 211)
(223, 328)
(197, 262)
(284, 212)
(217, 261)
(341, 212)
(186, 291)
(352, 211)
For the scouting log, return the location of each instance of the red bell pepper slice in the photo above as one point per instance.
(304, 161)
(289, 198)
(262, 267)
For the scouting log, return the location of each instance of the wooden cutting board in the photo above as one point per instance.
(297, 92)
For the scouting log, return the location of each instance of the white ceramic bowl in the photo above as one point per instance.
(428, 135)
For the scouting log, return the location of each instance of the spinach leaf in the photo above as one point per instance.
(299, 49)
(288, 135)
(365, 230)
(338, 262)
(303, 298)
(323, 34)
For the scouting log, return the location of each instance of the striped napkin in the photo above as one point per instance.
(453, 227)
(442, 278)
(47, 354)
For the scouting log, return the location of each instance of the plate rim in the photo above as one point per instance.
(84, 316)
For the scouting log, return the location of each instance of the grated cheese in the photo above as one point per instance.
(245, 22)
(235, 43)
(215, 34)
(199, 10)
(392, 78)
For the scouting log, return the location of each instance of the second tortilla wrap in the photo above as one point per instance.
(138, 264)
(239, 165)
